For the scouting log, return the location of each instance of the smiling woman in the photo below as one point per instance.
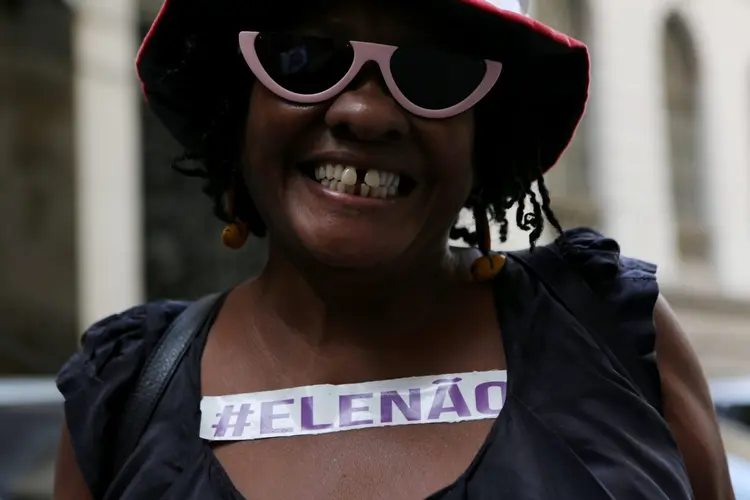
(370, 360)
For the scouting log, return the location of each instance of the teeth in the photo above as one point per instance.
(372, 178)
(349, 176)
(383, 177)
(345, 179)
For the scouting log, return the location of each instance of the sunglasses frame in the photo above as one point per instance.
(363, 53)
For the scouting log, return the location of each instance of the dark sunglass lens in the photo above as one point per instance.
(433, 79)
(303, 64)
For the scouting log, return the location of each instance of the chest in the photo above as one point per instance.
(394, 463)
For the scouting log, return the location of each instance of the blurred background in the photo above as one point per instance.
(94, 221)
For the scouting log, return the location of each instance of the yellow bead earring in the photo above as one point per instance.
(489, 264)
(235, 233)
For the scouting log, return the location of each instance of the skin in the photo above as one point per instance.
(688, 408)
(358, 292)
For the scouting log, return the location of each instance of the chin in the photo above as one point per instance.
(344, 232)
(354, 251)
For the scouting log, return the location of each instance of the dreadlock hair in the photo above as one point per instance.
(507, 159)
(508, 163)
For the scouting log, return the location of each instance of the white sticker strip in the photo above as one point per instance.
(322, 409)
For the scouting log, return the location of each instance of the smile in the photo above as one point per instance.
(369, 183)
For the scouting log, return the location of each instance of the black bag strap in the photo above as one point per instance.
(157, 373)
(597, 316)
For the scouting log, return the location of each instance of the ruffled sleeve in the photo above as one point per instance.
(630, 287)
(96, 380)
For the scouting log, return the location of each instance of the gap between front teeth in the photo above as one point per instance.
(344, 179)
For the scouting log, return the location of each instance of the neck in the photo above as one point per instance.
(328, 305)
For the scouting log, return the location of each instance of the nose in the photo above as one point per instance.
(365, 111)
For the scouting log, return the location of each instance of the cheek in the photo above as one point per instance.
(272, 134)
(262, 152)
(449, 148)
(269, 129)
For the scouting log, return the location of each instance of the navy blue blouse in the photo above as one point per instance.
(570, 428)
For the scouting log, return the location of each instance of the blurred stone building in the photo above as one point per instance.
(95, 218)
(661, 162)
(37, 250)
(95, 221)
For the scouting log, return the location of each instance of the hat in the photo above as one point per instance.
(191, 51)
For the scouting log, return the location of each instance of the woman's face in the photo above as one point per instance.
(362, 128)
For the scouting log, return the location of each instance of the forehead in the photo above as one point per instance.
(389, 21)
(393, 22)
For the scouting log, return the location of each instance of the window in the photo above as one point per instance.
(681, 92)
(569, 181)
(37, 239)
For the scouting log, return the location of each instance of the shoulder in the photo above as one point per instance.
(599, 259)
(629, 291)
(628, 284)
(117, 345)
(95, 381)
(666, 365)
(581, 261)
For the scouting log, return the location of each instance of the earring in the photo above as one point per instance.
(235, 233)
(489, 264)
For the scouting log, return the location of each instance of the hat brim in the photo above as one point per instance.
(541, 94)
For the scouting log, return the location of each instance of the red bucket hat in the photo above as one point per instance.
(542, 91)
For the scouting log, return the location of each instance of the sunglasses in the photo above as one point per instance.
(427, 82)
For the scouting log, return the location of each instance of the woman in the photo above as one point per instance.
(355, 160)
